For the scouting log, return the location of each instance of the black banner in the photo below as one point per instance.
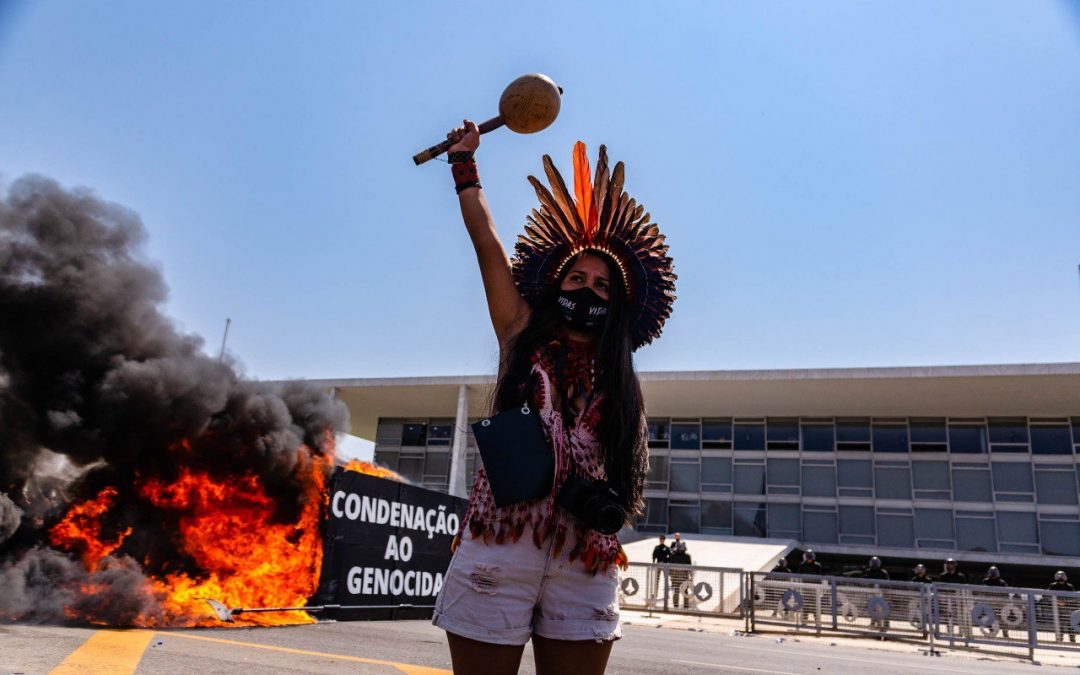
(387, 544)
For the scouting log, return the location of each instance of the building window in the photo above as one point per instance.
(387, 458)
(716, 517)
(854, 478)
(685, 475)
(820, 526)
(437, 466)
(782, 434)
(928, 435)
(895, 528)
(931, 480)
(975, 532)
(684, 516)
(658, 473)
(749, 478)
(440, 434)
(892, 482)
(716, 474)
(1013, 481)
(658, 433)
(716, 434)
(388, 433)
(749, 436)
(935, 525)
(783, 476)
(853, 434)
(857, 524)
(655, 519)
(818, 480)
(750, 519)
(1050, 440)
(818, 438)
(971, 485)
(784, 521)
(1055, 487)
(1059, 537)
(414, 435)
(1018, 532)
(685, 436)
(967, 439)
(890, 438)
(411, 466)
(1008, 434)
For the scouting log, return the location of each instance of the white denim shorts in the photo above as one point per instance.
(505, 593)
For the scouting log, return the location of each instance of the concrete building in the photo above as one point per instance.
(977, 462)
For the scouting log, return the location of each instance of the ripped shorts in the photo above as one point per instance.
(504, 593)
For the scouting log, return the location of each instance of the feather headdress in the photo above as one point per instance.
(599, 216)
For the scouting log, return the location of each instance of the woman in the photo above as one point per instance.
(590, 282)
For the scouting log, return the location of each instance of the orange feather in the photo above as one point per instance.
(583, 191)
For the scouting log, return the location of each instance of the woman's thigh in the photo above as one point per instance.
(472, 657)
(555, 657)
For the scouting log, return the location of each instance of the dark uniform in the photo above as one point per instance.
(680, 576)
(951, 610)
(994, 579)
(875, 573)
(1065, 608)
(661, 554)
(810, 567)
(956, 577)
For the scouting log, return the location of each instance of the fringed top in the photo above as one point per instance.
(570, 366)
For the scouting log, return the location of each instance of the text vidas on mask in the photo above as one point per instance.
(583, 309)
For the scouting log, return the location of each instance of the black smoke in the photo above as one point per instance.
(92, 371)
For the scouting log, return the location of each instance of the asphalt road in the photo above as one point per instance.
(417, 648)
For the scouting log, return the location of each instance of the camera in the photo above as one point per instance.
(594, 502)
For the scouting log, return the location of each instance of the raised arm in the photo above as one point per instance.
(509, 311)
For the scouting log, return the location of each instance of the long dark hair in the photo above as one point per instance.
(622, 412)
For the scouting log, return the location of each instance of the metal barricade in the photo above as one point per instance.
(1006, 619)
(682, 589)
(895, 609)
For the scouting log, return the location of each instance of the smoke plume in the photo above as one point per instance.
(92, 371)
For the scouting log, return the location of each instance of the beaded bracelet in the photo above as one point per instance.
(465, 175)
(459, 157)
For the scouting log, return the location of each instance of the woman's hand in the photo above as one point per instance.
(466, 138)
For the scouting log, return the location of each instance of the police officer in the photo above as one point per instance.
(661, 556)
(874, 570)
(952, 575)
(993, 578)
(809, 564)
(782, 566)
(661, 553)
(1065, 605)
(921, 577)
(1061, 582)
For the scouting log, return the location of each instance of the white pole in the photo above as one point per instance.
(457, 452)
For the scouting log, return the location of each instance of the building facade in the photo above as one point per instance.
(978, 462)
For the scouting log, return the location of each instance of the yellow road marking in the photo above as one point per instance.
(406, 668)
(107, 651)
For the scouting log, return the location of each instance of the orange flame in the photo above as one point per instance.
(232, 530)
(360, 466)
(80, 530)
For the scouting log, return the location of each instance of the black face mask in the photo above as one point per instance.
(583, 309)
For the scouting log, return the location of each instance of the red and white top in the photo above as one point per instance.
(576, 439)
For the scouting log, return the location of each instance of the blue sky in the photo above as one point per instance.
(842, 183)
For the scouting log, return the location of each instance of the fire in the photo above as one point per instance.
(80, 530)
(232, 531)
(360, 466)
